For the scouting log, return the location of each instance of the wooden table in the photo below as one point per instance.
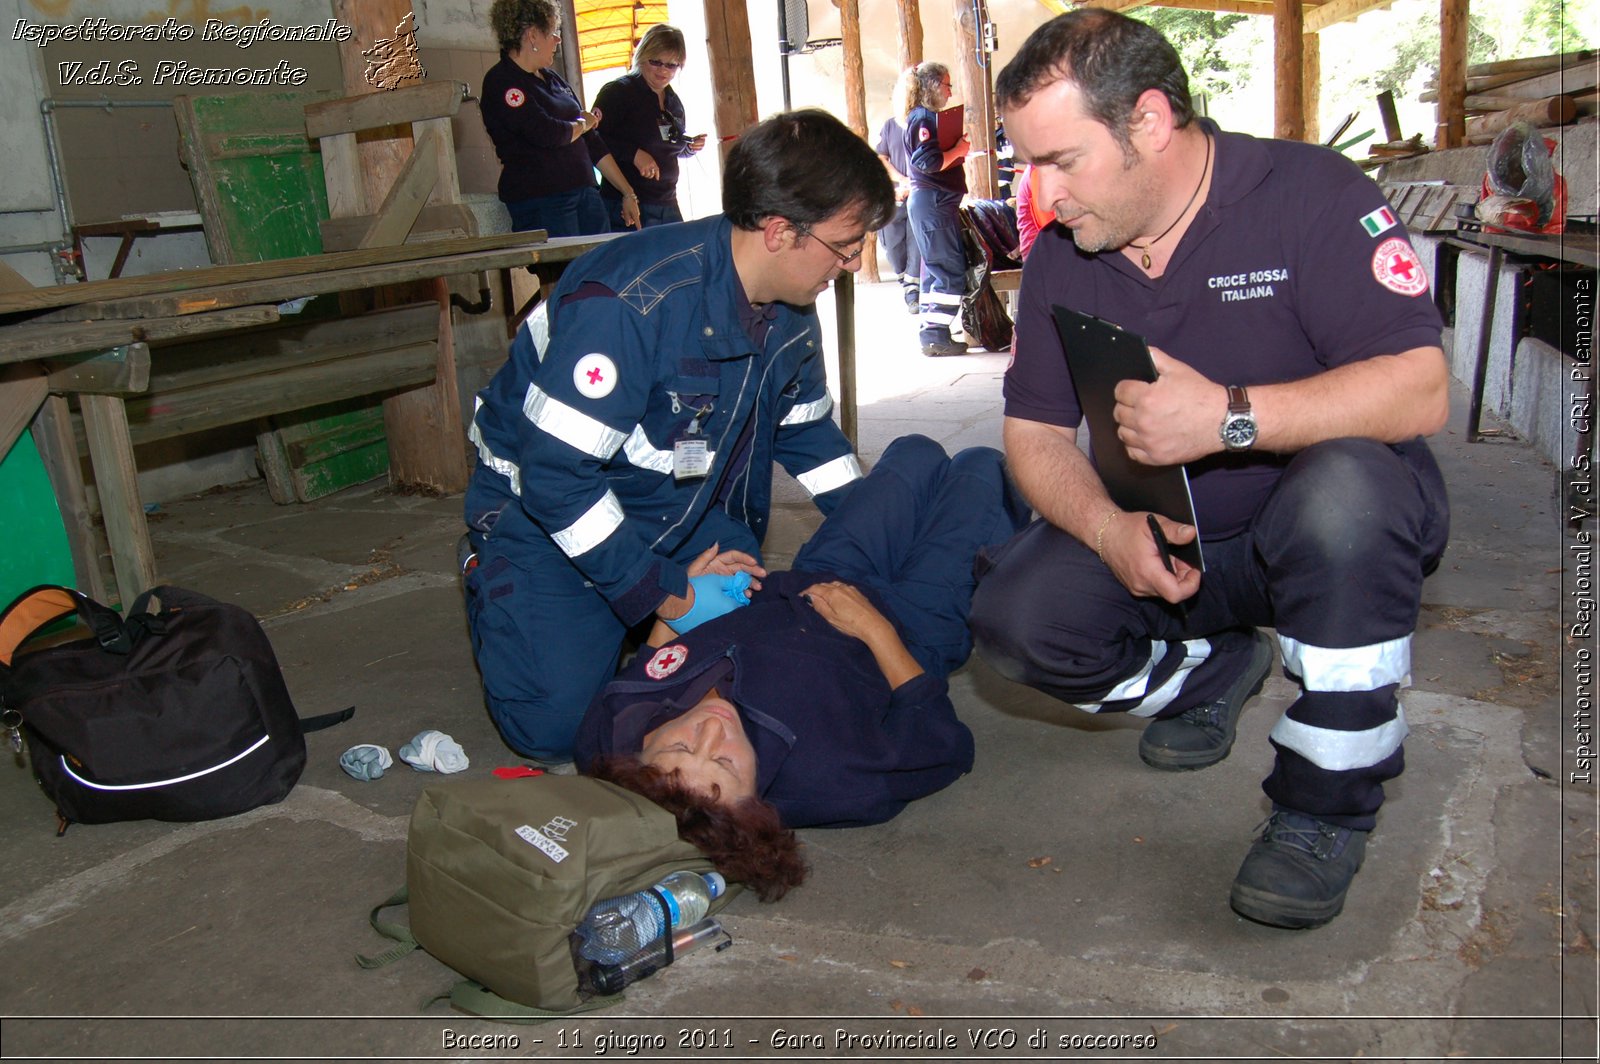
(93, 340)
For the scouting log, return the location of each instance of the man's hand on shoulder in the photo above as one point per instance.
(1173, 420)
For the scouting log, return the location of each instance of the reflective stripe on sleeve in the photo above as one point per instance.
(505, 467)
(538, 325)
(1340, 751)
(1348, 668)
(806, 412)
(576, 430)
(590, 530)
(830, 475)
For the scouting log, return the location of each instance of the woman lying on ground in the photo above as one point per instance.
(823, 702)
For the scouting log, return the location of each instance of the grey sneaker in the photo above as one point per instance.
(1296, 874)
(1202, 736)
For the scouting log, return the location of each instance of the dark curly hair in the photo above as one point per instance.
(746, 840)
(509, 18)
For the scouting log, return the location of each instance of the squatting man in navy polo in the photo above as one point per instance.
(625, 450)
(1299, 366)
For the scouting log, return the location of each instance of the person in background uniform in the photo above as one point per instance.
(644, 129)
(1032, 215)
(632, 433)
(898, 242)
(1299, 368)
(546, 141)
(824, 700)
(938, 182)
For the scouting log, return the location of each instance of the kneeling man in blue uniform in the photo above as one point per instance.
(1299, 366)
(635, 425)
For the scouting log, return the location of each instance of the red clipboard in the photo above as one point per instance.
(952, 123)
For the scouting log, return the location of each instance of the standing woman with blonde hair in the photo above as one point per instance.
(938, 182)
(546, 141)
(644, 127)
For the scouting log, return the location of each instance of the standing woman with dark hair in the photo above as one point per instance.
(545, 139)
(644, 128)
(937, 184)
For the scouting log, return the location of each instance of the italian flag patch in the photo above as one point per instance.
(1378, 221)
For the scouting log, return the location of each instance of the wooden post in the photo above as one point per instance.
(1311, 86)
(571, 51)
(972, 81)
(383, 151)
(1451, 131)
(1288, 21)
(855, 105)
(910, 33)
(733, 75)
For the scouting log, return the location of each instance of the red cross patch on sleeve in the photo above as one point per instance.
(1396, 266)
(515, 97)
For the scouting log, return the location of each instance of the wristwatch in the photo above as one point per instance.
(1239, 425)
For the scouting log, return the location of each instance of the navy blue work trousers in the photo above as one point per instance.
(936, 227)
(1334, 560)
(910, 531)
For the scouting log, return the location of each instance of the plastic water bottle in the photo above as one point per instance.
(605, 979)
(617, 928)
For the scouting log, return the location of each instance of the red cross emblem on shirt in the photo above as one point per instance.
(667, 661)
(1395, 266)
(595, 375)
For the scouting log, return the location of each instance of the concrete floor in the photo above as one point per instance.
(1062, 891)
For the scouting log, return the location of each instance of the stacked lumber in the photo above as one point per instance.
(1547, 90)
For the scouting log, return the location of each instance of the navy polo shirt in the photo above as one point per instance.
(892, 143)
(529, 118)
(1294, 265)
(927, 158)
(631, 119)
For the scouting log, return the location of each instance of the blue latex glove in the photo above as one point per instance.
(713, 596)
(365, 762)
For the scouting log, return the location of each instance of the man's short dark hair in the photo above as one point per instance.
(806, 166)
(1111, 58)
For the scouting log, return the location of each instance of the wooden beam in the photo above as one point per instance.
(1336, 11)
(371, 110)
(22, 389)
(1311, 87)
(1391, 117)
(1451, 129)
(52, 434)
(410, 191)
(114, 372)
(1289, 106)
(972, 82)
(1536, 65)
(105, 423)
(383, 150)
(733, 75)
(1554, 111)
(443, 221)
(910, 32)
(855, 105)
(24, 342)
(571, 50)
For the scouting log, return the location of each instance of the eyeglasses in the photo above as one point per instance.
(662, 64)
(846, 257)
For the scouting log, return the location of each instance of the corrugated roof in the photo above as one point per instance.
(608, 29)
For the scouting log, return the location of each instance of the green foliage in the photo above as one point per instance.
(1198, 37)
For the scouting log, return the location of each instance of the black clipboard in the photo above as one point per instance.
(1100, 356)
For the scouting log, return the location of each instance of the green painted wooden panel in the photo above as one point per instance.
(34, 548)
(259, 182)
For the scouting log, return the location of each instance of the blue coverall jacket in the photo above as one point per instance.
(640, 346)
(592, 463)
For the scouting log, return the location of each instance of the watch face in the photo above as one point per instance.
(1238, 432)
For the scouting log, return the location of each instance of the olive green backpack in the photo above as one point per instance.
(500, 871)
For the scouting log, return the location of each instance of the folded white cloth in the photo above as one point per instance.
(434, 751)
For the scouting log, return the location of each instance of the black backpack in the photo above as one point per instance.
(175, 714)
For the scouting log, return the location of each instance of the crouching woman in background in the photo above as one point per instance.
(823, 702)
